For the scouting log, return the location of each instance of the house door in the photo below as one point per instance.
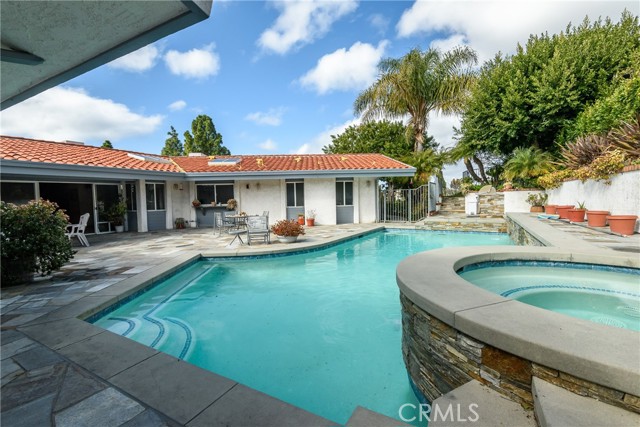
(344, 202)
(295, 199)
(106, 196)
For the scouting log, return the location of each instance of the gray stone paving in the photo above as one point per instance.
(58, 370)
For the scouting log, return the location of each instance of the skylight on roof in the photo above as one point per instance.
(149, 158)
(225, 162)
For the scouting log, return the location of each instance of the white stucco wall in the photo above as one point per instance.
(367, 188)
(264, 195)
(622, 197)
(320, 195)
(516, 201)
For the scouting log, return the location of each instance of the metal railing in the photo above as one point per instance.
(406, 205)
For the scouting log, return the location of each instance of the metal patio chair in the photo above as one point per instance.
(258, 228)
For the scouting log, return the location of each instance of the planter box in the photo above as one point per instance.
(622, 224)
(597, 218)
(576, 215)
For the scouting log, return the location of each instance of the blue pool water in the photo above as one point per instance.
(606, 295)
(321, 330)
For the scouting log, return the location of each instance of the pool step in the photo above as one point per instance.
(363, 417)
(491, 409)
(555, 406)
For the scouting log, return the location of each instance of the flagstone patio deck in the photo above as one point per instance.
(59, 369)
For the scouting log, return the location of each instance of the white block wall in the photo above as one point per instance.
(516, 201)
(622, 197)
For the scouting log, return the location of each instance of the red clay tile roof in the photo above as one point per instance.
(292, 162)
(31, 150)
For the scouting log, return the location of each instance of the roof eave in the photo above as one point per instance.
(248, 175)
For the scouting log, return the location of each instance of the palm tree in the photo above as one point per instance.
(527, 164)
(416, 84)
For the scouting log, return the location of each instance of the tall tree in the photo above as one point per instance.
(536, 97)
(172, 145)
(382, 137)
(107, 144)
(205, 139)
(416, 84)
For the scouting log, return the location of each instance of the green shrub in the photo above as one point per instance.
(33, 240)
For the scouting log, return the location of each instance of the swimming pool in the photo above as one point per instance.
(320, 330)
(601, 294)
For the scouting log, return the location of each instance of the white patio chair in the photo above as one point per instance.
(77, 230)
(258, 228)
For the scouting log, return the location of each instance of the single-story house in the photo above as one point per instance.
(341, 188)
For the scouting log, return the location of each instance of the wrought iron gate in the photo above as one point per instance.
(406, 205)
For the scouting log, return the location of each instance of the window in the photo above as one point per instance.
(344, 193)
(132, 201)
(214, 193)
(295, 194)
(155, 196)
(19, 193)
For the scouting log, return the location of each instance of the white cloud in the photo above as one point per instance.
(449, 43)
(141, 60)
(268, 145)
(177, 106)
(379, 22)
(441, 128)
(492, 26)
(273, 117)
(196, 63)
(63, 113)
(345, 69)
(302, 22)
(324, 138)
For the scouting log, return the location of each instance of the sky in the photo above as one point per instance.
(279, 77)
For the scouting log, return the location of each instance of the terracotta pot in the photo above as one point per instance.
(563, 210)
(550, 209)
(300, 219)
(311, 222)
(576, 215)
(597, 218)
(536, 209)
(622, 224)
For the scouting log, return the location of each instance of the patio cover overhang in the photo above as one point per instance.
(45, 43)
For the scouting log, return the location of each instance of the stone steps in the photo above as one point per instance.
(474, 404)
(557, 407)
(363, 417)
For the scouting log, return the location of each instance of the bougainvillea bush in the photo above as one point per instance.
(32, 240)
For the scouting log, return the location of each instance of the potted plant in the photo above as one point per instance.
(563, 211)
(301, 219)
(577, 214)
(180, 223)
(311, 217)
(116, 214)
(232, 204)
(597, 218)
(287, 231)
(537, 201)
(622, 224)
(196, 203)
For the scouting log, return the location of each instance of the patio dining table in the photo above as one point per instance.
(240, 220)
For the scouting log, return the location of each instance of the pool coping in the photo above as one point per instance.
(609, 356)
(181, 391)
